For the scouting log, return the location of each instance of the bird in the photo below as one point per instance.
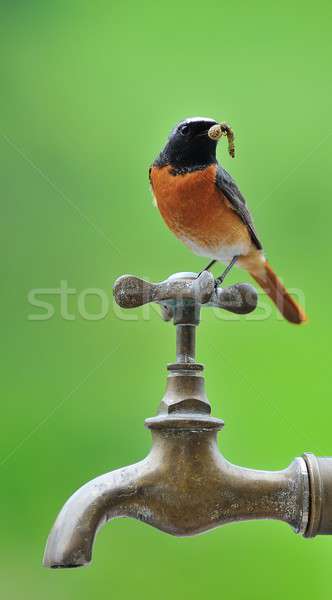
(202, 205)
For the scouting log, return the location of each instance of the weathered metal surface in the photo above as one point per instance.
(185, 343)
(130, 291)
(185, 486)
(185, 391)
(320, 483)
(181, 288)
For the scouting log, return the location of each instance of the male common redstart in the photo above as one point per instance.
(202, 205)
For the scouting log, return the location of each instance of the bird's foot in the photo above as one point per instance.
(219, 280)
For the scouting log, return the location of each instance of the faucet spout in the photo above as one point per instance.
(114, 494)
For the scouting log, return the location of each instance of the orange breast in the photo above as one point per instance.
(196, 211)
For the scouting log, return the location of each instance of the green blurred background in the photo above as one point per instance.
(89, 92)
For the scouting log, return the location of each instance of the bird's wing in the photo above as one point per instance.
(228, 187)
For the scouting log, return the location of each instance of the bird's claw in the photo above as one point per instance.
(217, 282)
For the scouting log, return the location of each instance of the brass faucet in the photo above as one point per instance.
(185, 486)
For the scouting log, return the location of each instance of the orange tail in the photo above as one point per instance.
(270, 283)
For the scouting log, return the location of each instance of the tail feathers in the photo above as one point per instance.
(270, 283)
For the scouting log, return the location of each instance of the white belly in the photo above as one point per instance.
(223, 253)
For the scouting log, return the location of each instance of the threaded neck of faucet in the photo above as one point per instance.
(185, 343)
(185, 404)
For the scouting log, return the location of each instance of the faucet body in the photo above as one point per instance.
(185, 486)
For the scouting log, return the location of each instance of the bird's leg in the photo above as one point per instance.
(207, 268)
(221, 277)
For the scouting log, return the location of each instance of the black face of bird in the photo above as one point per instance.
(189, 143)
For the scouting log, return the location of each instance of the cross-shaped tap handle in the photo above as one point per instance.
(184, 289)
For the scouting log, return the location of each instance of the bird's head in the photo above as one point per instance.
(192, 142)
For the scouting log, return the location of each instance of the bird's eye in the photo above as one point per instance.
(184, 129)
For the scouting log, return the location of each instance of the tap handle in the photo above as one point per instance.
(131, 291)
(240, 298)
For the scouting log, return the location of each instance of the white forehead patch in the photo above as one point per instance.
(199, 119)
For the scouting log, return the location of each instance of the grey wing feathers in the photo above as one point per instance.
(229, 188)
